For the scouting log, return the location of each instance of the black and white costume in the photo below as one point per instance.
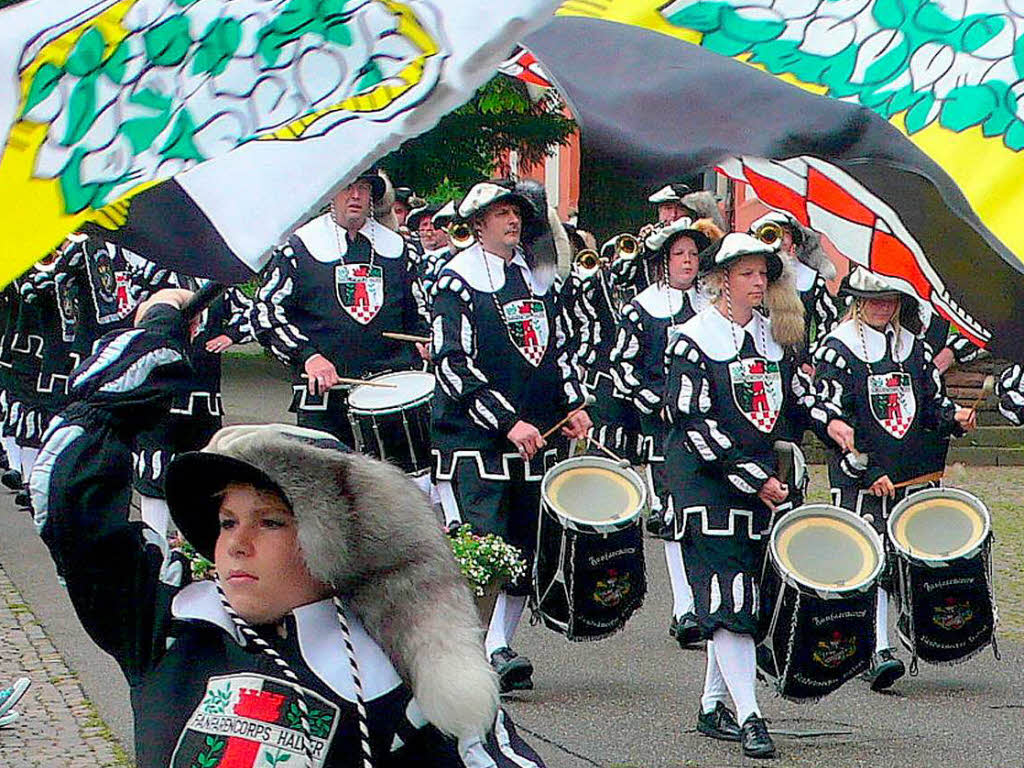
(202, 691)
(324, 294)
(1010, 391)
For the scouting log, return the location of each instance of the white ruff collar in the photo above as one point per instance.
(717, 336)
(323, 239)
(846, 332)
(319, 635)
(662, 300)
(804, 275)
(479, 269)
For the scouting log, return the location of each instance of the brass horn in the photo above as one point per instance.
(769, 233)
(626, 246)
(461, 235)
(587, 260)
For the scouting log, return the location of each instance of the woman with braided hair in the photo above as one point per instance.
(338, 630)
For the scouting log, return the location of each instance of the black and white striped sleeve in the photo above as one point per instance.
(568, 371)
(690, 409)
(826, 312)
(1010, 391)
(270, 319)
(627, 361)
(239, 310)
(454, 352)
(829, 398)
(939, 410)
(964, 350)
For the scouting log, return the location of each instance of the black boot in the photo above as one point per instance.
(515, 672)
(11, 479)
(885, 670)
(755, 738)
(720, 724)
(655, 524)
(22, 500)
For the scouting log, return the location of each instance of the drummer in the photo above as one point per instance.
(877, 384)
(638, 369)
(732, 387)
(504, 376)
(325, 298)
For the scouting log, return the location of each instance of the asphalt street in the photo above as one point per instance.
(629, 700)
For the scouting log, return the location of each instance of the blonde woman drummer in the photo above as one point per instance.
(877, 385)
(733, 389)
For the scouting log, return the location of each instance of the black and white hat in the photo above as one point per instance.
(445, 215)
(862, 283)
(670, 193)
(412, 221)
(735, 246)
(661, 239)
(487, 193)
(377, 184)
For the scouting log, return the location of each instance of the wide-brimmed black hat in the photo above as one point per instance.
(377, 184)
(195, 479)
(735, 246)
(659, 242)
(412, 221)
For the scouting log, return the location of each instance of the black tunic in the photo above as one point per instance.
(725, 412)
(501, 355)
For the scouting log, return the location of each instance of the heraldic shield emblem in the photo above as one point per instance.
(250, 721)
(757, 391)
(527, 324)
(892, 401)
(360, 289)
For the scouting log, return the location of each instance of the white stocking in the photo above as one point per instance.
(882, 621)
(13, 453)
(155, 514)
(28, 460)
(508, 610)
(682, 595)
(736, 659)
(715, 689)
(449, 505)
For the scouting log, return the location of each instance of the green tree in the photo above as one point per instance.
(445, 161)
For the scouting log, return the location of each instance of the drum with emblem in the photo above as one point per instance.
(392, 422)
(942, 538)
(589, 573)
(818, 600)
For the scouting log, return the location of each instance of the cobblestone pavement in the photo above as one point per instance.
(58, 727)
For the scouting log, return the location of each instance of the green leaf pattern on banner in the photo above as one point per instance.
(916, 58)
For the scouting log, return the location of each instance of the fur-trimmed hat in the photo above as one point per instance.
(670, 193)
(807, 242)
(735, 246)
(705, 206)
(369, 532)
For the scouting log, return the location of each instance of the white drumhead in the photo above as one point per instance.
(407, 387)
(591, 493)
(939, 524)
(826, 549)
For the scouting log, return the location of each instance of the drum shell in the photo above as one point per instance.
(399, 434)
(586, 584)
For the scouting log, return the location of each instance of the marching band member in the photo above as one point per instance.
(1010, 392)
(732, 387)
(337, 633)
(877, 384)
(504, 374)
(435, 246)
(669, 202)
(638, 370)
(327, 295)
(811, 269)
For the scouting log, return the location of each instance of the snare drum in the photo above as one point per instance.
(942, 539)
(589, 574)
(818, 593)
(393, 423)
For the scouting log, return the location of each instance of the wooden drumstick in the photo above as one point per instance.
(986, 389)
(589, 400)
(406, 337)
(920, 479)
(601, 447)
(361, 382)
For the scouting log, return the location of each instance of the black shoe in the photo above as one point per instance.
(686, 633)
(885, 670)
(22, 500)
(655, 524)
(515, 672)
(720, 724)
(11, 479)
(755, 739)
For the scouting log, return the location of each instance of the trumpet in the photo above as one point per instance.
(626, 246)
(587, 260)
(461, 235)
(769, 233)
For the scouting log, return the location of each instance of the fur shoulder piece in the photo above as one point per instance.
(366, 529)
(813, 254)
(703, 203)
